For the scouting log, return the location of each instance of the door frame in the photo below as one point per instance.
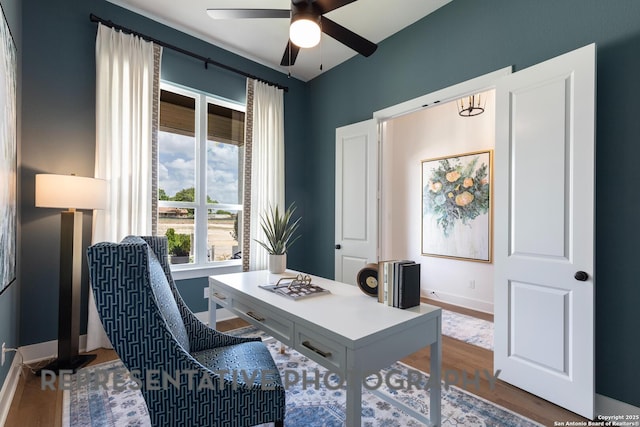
(444, 95)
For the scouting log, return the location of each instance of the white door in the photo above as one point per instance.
(544, 242)
(356, 228)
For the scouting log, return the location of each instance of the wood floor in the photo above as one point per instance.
(33, 407)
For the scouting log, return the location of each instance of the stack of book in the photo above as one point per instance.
(399, 283)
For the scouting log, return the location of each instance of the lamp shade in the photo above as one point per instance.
(70, 192)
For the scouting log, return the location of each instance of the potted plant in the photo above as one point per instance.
(179, 246)
(235, 249)
(279, 230)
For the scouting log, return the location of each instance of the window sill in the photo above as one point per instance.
(198, 271)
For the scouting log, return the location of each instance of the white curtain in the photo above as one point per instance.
(267, 163)
(125, 97)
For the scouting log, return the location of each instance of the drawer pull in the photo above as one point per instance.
(255, 316)
(219, 296)
(324, 354)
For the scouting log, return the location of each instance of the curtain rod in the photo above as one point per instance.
(207, 61)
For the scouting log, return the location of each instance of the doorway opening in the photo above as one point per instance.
(437, 131)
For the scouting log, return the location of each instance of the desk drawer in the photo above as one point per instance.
(219, 296)
(320, 348)
(265, 319)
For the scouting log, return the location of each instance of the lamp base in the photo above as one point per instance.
(73, 364)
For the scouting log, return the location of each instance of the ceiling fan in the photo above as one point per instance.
(307, 21)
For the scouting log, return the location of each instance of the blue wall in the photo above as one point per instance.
(59, 126)
(9, 300)
(192, 292)
(468, 38)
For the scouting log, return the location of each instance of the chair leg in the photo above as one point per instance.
(279, 423)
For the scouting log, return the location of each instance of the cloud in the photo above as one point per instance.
(222, 172)
(183, 165)
(173, 143)
(177, 166)
(163, 172)
(176, 158)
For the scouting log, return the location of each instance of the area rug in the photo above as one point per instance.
(469, 329)
(311, 406)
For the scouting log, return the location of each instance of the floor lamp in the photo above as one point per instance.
(70, 192)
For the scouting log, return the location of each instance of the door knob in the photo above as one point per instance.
(338, 247)
(581, 276)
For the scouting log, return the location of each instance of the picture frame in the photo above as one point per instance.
(457, 211)
(8, 155)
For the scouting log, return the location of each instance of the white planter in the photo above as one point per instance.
(277, 263)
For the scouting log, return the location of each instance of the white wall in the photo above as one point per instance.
(407, 140)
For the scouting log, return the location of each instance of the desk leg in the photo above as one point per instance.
(436, 378)
(212, 313)
(354, 399)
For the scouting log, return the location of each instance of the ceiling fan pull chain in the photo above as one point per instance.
(321, 47)
(289, 64)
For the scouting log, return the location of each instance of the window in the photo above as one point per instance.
(200, 177)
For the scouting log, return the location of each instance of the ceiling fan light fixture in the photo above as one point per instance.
(305, 31)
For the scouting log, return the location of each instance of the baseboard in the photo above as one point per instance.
(473, 304)
(31, 354)
(608, 406)
(9, 389)
(47, 350)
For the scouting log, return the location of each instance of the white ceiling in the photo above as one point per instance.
(264, 40)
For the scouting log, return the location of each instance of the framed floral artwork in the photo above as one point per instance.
(456, 206)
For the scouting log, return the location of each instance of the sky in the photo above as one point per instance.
(177, 165)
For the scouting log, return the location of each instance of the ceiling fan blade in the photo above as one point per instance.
(248, 13)
(326, 6)
(287, 59)
(347, 37)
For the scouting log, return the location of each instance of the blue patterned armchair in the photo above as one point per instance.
(189, 374)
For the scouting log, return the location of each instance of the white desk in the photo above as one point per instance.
(346, 331)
